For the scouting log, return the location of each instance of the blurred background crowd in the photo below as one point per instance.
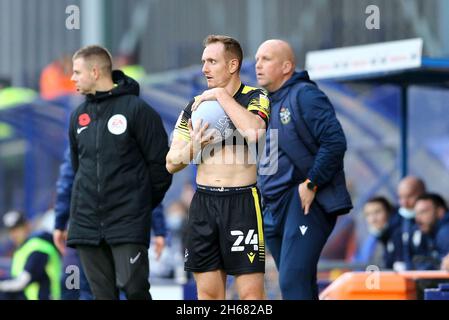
(399, 220)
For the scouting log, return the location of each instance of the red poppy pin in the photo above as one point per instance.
(83, 119)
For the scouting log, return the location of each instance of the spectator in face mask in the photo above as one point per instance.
(176, 221)
(377, 212)
(171, 262)
(382, 246)
(409, 189)
(187, 194)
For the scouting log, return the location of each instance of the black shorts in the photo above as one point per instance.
(225, 231)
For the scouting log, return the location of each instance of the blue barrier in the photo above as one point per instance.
(440, 293)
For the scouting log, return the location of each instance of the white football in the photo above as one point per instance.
(212, 113)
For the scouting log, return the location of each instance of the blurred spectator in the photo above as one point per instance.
(409, 189)
(55, 79)
(127, 65)
(159, 227)
(36, 265)
(445, 263)
(176, 223)
(271, 279)
(171, 264)
(10, 97)
(177, 213)
(382, 246)
(430, 240)
(187, 194)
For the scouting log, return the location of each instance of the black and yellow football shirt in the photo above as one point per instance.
(253, 99)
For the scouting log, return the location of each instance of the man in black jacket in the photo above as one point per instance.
(118, 148)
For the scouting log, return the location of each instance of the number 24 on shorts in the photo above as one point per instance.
(251, 238)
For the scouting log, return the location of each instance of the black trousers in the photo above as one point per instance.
(111, 268)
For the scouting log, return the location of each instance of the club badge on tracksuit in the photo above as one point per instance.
(285, 115)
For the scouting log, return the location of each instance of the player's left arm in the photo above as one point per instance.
(249, 121)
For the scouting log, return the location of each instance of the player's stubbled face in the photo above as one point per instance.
(215, 66)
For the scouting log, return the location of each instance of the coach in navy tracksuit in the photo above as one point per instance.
(307, 192)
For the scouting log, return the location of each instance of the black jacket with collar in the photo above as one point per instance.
(118, 148)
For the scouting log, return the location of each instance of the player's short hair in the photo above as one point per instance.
(232, 47)
(384, 202)
(96, 54)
